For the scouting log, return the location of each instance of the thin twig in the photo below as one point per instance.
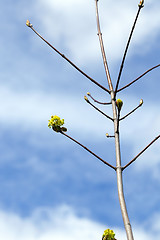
(103, 103)
(62, 55)
(140, 152)
(127, 46)
(130, 112)
(138, 77)
(110, 136)
(108, 164)
(102, 49)
(97, 108)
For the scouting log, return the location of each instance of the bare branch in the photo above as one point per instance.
(140, 152)
(127, 46)
(97, 108)
(138, 77)
(103, 103)
(108, 164)
(102, 49)
(62, 55)
(140, 104)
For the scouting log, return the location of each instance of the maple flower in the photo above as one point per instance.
(55, 123)
(108, 235)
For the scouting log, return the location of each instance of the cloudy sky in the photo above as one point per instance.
(51, 188)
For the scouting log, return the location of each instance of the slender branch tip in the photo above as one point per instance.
(141, 102)
(86, 99)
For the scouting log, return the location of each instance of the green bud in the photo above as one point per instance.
(119, 104)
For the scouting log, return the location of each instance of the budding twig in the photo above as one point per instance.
(140, 152)
(109, 136)
(68, 60)
(103, 103)
(140, 104)
(97, 108)
(108, 164)
(138, 77)
(127, 46)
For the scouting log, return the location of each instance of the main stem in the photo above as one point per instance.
(126, 221)
(122, 202)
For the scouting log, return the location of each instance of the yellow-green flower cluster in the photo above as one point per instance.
(108, 235)
(55, 123)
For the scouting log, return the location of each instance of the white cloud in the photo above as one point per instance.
(63, 223)
(30, 110)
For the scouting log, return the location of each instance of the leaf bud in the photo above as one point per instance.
(141, 4)
(141, 102)
(85, 98)
(28, 23)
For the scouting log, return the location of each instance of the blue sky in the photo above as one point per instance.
(51, 188)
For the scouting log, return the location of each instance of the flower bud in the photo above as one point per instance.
(85, 98)
(141, 4)
(141, 102)
(28, 23)
(119, 104)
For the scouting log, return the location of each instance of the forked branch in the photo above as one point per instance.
(68, 60)
(140, 153)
